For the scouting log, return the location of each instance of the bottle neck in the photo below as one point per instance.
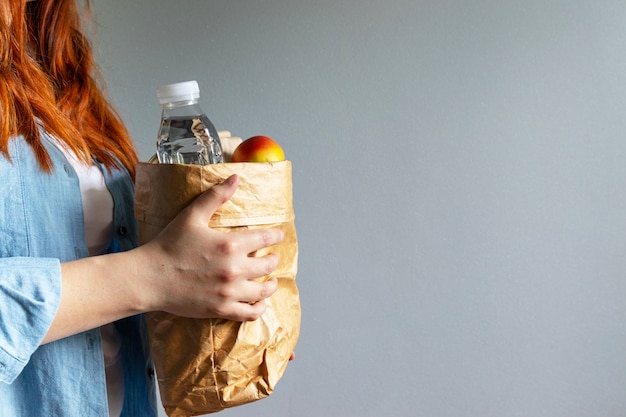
(182, 108)
(183, 103)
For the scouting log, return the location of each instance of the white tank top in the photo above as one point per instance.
(98, 216)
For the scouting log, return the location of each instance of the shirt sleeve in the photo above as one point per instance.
(30, 293)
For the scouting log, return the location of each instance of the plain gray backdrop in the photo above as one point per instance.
(459, 178)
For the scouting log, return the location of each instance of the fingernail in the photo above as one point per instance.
(230, 180)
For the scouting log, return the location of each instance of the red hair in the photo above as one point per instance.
(48, 75)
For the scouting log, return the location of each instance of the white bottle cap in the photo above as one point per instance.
(170, 93)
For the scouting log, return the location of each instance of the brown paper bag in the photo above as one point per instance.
(206, 365)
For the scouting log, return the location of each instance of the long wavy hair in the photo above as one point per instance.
(48, 75)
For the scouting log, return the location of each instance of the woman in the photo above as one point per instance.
(70, 323)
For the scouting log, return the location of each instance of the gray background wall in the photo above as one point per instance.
(459, 175)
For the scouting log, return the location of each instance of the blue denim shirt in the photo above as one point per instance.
(41, 225)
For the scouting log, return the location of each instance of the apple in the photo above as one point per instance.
(258, 149)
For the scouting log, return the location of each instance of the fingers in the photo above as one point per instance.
(263, 238)
(247, 312)
(243, 294)
(247, 242)
(256, 292)
(208, 202)
(249, 303)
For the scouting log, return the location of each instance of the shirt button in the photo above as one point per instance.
(122, 231)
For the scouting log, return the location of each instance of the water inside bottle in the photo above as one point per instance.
(185, 140)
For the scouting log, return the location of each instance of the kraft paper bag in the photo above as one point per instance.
(207, 365)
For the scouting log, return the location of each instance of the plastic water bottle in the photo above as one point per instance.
(186, 135)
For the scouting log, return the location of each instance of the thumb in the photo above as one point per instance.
(209, 201)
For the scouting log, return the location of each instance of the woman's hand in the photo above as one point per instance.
(196, 271)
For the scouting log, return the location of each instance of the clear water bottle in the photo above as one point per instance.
(186, 135)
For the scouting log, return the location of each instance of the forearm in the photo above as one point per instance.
(96, 291)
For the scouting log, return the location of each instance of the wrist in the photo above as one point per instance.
(143, 280)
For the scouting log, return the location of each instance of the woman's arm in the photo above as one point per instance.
(189, 269)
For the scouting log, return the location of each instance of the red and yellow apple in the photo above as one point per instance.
(258, 149)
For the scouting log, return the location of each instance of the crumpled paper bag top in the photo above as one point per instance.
(160, 194)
